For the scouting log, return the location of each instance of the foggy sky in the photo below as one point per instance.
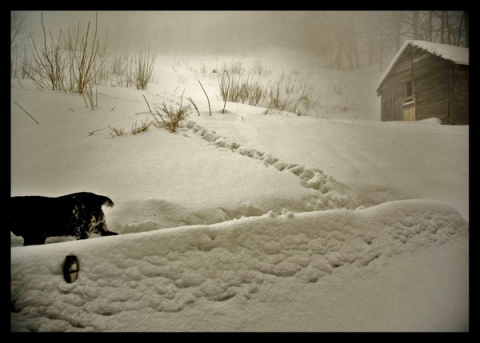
(199, 31)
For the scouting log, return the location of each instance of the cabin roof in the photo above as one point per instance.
(456, 54)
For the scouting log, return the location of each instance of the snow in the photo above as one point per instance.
(242, 221)
(453, 53)
(456, 54)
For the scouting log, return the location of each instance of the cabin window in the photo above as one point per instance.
(408, 93)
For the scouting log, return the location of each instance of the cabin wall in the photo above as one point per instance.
(460, 95)
(392, 97)
(440, 88)
(432, 90)
(393, 90)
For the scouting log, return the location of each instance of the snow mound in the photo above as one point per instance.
(172, 270)
(432, 121)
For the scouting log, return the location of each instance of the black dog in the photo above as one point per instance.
(37, 217)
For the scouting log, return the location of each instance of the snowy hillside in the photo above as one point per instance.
(243, 221)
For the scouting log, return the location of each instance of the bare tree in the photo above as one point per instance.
(17, 25)
(448, 27)
(415, 24)
(442, 28)
(344, 40)
(467, 28)
(430, 25)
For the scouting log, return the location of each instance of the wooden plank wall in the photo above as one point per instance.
(394, 84)
(460, 96)
(431, 87)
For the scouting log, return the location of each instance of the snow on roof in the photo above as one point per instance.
(456, 54)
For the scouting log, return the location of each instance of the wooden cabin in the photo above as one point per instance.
(426, 80)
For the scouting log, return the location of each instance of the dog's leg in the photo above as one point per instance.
(81, 233)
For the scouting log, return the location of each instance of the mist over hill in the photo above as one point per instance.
(346, 39)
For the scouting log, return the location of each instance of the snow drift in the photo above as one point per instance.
(150, 275)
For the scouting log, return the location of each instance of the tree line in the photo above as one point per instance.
(365, 38)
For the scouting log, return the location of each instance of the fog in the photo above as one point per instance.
(194, 31)
(342, 39)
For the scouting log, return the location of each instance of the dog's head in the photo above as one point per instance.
(98, 223)
(108, 202)
(89, 214)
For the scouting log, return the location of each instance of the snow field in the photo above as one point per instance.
(268, 222)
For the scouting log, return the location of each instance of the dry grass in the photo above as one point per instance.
(84, 63)
(289, 93)
(168, 117)
(139, 128)
(70, 63)
(141, 69)
(116, 132)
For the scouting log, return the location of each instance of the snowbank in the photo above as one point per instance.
(145, 281)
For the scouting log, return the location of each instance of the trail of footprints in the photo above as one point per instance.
(330, 194)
